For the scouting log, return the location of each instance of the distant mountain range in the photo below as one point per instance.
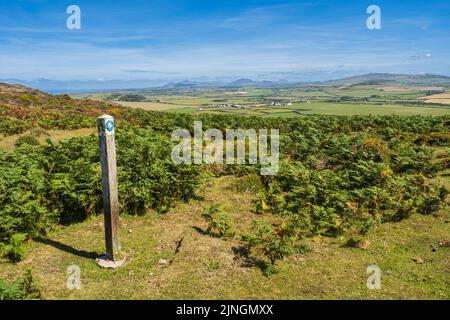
(54, 86)
(237, 83)
(370, 78)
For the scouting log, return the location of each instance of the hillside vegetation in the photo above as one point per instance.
(340, 177)
(22, 109)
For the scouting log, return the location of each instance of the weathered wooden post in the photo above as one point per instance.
(106, 134)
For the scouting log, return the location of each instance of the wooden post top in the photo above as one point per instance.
(105, 116)
(106, 125)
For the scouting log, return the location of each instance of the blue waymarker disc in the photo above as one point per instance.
(109, 125)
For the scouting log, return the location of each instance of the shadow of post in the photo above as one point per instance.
(68, 249)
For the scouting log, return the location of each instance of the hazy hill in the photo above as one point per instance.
(22, 108)
(251, 83)
(19, 89)
(15, 97)
(389, 78)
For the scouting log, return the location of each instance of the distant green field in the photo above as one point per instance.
(325, 108)
(290, 101)
(351, 109)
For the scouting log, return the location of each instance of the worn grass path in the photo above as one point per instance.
(207, 268)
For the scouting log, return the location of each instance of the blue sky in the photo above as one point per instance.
(170, 40)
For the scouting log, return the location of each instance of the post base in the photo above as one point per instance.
(106, 263)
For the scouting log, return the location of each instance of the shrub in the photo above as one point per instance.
(10, 127)
(268, 244)
(361, 194)
(132, 98)
(434, 201)
(14, 249)
(434, 139)
(24, 288)
(25, 210)
(250, 183)
(219, 223)
(412, 158)
(27, 139)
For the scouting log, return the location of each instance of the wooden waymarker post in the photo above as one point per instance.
(106, 134)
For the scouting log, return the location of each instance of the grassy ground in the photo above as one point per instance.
(365, 109)
(8, 143)
(207, 268)
(152, 105)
